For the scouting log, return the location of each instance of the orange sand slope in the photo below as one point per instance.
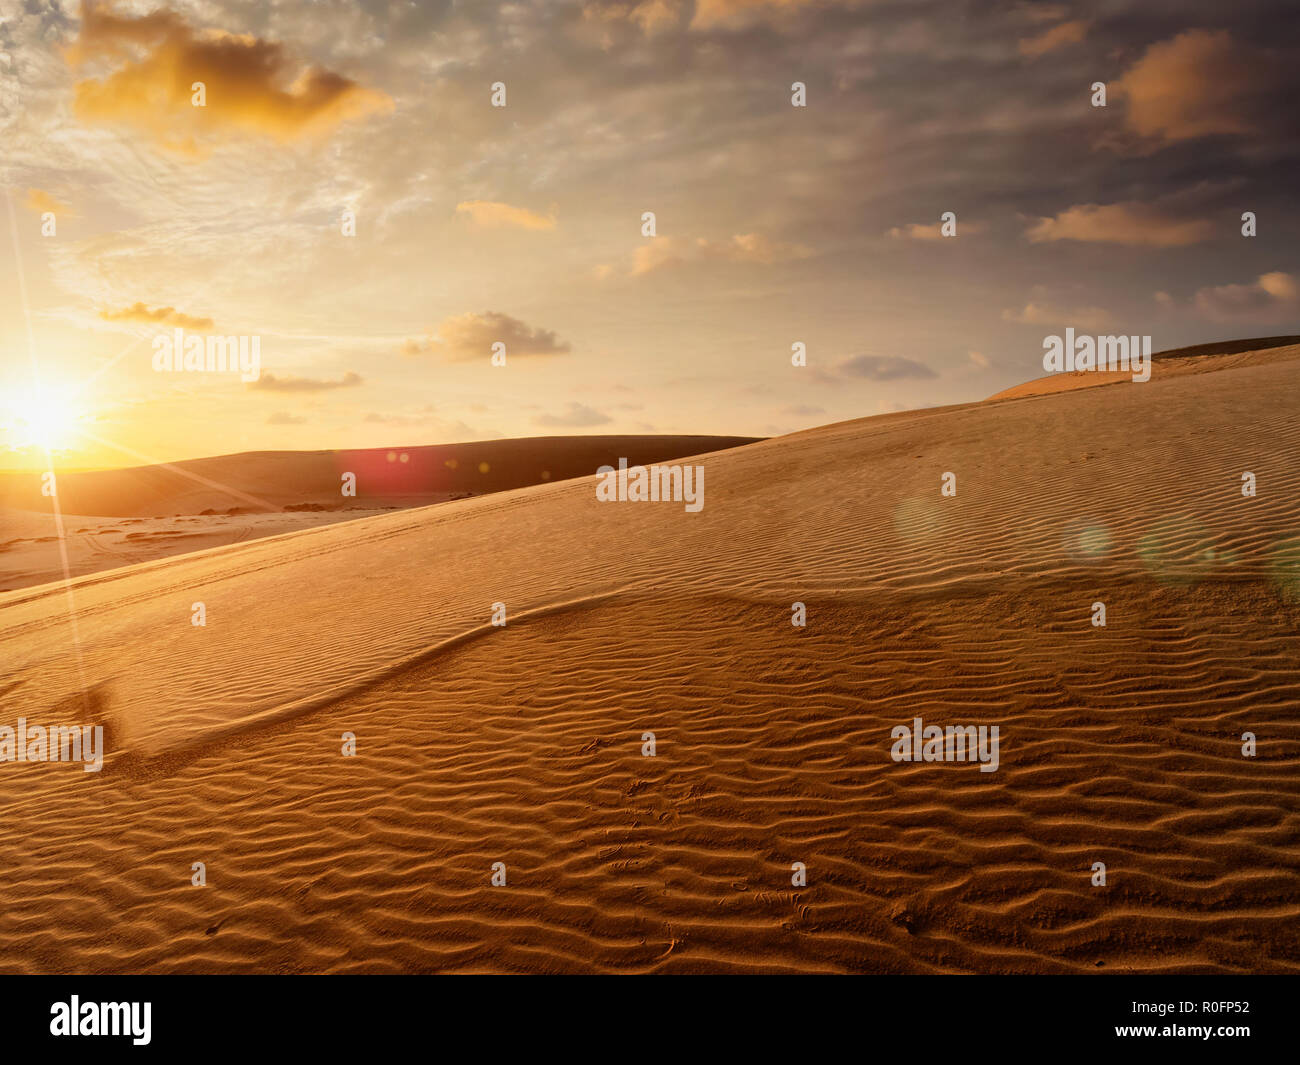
(33, 552)
(523, 744)
(1200, 358)
(114, 518)
(265, 481)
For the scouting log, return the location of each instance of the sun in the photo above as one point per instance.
(44, 416)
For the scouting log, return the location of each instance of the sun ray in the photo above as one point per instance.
(170, 467)
(58, 510)
(44, 416)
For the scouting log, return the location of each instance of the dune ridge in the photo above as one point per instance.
(117, 517)
(1198, 358)
(404, 476)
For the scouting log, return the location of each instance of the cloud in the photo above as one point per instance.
(375, 418)
(658, 253)
(751, 248)
(651, 16)
(884, 368)
(429, 424)
(713, 12)
(654, 16)
(1046, 314)
(802, 410)
(934, 230)
(1056, 37)
(471, 336)
(488, 213)
(40, 201)
(1133, 224)
(578, 416)
(978, 358)
(281, 417)
(662, 252)
(1271, 297)
(1196, 84)
(270, 383)
(1040, 12)
(252, 86)
(139, 313)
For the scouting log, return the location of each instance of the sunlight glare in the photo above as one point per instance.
(45, 417)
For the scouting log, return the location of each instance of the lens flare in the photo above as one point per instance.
(44, 417)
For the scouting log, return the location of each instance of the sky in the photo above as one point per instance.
(130, 212)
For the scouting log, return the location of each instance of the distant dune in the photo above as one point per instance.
(525, 745)
(116, 518)
(267, 481)
(1200, 358)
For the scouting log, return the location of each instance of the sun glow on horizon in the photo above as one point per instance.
(45, 417)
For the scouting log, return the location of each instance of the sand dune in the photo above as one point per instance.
(268, 481)
(1200, 358)
(523, 744)
(113, 518)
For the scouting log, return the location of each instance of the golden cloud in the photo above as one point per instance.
(658, 253)
(250, 86)
(663, 252)
(1046, 314)
(470, 336)
(652, 16)
(1132, 224)
(141, 314)
(1193, 85)
(488, 213)
(270, 383)
(1056, 37)
(934, 230)
(752, 248)
(40, 201)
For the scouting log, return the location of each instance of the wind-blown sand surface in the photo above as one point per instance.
(1200, 358)
(522, 744)
(113, 518)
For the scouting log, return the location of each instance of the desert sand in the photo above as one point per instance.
(523, 744)
(113, 518)
(1200, 358)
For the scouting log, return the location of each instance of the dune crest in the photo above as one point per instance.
(1199, 358)
(114, 518)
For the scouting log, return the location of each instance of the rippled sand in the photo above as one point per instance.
(523, 744)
